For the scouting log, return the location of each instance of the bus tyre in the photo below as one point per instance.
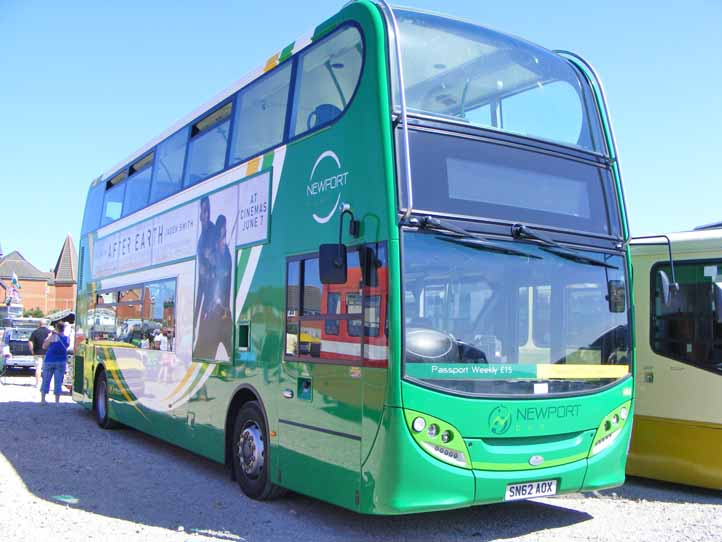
(100, 402)
(250, 453)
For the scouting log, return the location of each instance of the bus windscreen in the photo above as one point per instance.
(475, 75)
(479, 321)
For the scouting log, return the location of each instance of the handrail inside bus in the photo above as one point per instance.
(388, 10)
(612, 137)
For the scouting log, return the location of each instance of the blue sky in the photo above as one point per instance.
(84, 84)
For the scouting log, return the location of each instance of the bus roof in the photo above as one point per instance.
(269, 64)
(697, 240)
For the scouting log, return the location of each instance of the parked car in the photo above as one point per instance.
(16, 349)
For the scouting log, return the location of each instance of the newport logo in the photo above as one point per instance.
(326, 181)
(500, 420)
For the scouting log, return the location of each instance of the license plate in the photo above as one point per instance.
(530, 490)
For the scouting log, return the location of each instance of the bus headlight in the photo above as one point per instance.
(418, 424)
(610, 428)
(450, 450)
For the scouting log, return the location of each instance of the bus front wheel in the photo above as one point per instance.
(250, 453)
(100, 398)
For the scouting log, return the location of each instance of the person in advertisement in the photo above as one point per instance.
(215, 265)
(204, 253)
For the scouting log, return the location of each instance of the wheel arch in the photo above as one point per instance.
(241, 395)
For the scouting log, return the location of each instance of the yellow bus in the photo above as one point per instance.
(677, 433)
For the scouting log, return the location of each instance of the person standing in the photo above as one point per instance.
(37, 337)
(56, 357)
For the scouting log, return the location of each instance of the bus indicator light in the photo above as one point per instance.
(433, 430)
(446, 436)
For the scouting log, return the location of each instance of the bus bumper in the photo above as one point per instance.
(20, 362)
(399, 477)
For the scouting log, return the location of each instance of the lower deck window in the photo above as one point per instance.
(689, 328)
(141, 316)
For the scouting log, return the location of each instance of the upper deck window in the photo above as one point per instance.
(328, 74)
(471, 74)
(260, 116)
(113, 199)
(207, 149)
(168, 171)
(136, 193)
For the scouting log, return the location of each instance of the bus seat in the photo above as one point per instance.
(323, 114)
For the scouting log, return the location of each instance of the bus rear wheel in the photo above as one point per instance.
(250, 453)
(100, 400)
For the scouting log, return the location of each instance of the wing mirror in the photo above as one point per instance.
(332, 258)
(333, 263)
(666, 287)
(616, 295)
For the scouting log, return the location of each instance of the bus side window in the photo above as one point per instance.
(317, 315)
(207, 148)
(260, 114)
(328, 73)
(293, 306)
(136, 194)
(375, 305)
(157, 330)
(93, 208)
(101, 320)
(113, 203)
(168, 169)
(689, 328)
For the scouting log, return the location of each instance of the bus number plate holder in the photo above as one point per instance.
(530, 490)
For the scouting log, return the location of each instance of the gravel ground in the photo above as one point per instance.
(62, 478)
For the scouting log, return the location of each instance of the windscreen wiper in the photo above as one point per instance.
(465, 237)
(520, 231)
(473, 242)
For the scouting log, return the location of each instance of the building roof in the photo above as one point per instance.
(66, 269)
(15, 263)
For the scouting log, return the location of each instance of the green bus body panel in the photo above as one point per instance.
(399, 477)
(345, 439)
(529, 417)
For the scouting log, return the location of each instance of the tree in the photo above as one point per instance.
(33, 313)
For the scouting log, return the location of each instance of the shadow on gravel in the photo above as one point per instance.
(62, 456)
(645, 489)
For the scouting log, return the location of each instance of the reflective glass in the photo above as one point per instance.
(328, 73)
(136, 191)
(207, 153)
(113, 203)
(168, 170)
(260, 115)
(476, 178)
(159, 315)
(472, 74)
(689, 328)
(93, 208)
(468, 314)
(293, 303)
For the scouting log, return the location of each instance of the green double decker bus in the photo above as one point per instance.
(388, 269)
